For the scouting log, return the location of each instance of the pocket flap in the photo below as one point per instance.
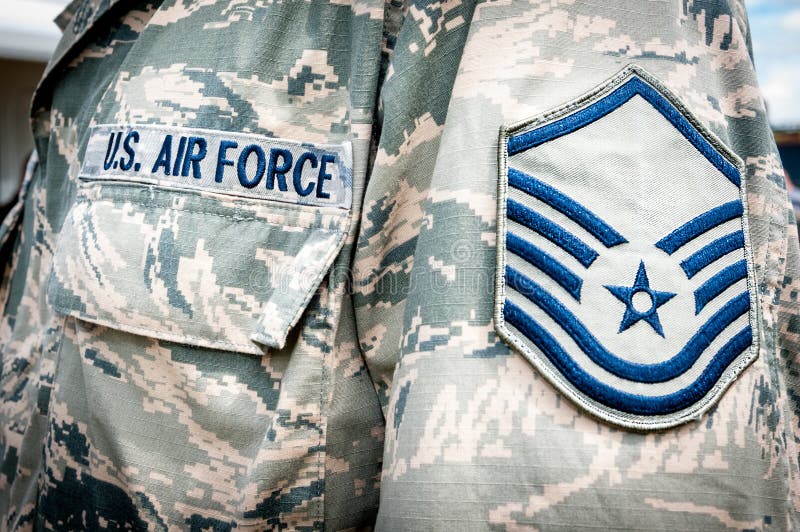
(193, 267)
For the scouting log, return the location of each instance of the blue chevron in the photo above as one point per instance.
(552, 231)
(646, 373)
(567, 206)
(546, 263)
(712, 252)
(607, 395)
(718, 284)
(699, 225)
(609, 103)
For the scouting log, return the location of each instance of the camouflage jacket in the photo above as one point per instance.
(182, 349)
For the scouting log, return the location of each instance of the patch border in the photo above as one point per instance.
(539, 360)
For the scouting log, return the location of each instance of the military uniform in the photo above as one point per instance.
(259, 234)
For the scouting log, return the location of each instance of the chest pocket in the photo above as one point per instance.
(221, 251)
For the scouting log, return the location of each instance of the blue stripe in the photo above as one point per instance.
(648, 373)
(552, 231)
(713, 251)
(699, 225)
(614, 100)
(546, 263)
(718, 284)
(614, 398)
(567, 206)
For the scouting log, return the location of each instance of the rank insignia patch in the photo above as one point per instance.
(624, 271)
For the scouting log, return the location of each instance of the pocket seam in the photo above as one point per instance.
(157, 335)
(235, 218)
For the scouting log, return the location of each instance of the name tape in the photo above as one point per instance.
(241, 164)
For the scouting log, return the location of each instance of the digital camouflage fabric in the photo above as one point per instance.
(133, 395)
(476, 439)
(188, 359)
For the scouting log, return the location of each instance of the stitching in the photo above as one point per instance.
(720, 282)
(302, 299)
(236, 218)
(552, 231)
(335, 297)
(323, 420)
(711, 253)
(700, 225)
(62, 331)
(634, 422)
(255, 136)
(567, 206)
(163, 335)
(612, 83)
(97, 187)
(343, 201)
(154, 203)
(500, 261)
(612, 101)
(607, 86)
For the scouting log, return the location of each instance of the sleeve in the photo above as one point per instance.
(489, 426)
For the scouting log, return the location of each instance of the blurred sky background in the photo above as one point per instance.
(775, 30)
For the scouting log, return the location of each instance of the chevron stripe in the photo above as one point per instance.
(718, 284)
(546, 263)
(552, 231)
(607, 395)
(567, 206)
(699, 225)
(646, 373)
(712, 252)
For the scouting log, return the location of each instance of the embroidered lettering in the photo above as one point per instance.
(243, 164)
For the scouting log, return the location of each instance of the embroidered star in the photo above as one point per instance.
(641, 301)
